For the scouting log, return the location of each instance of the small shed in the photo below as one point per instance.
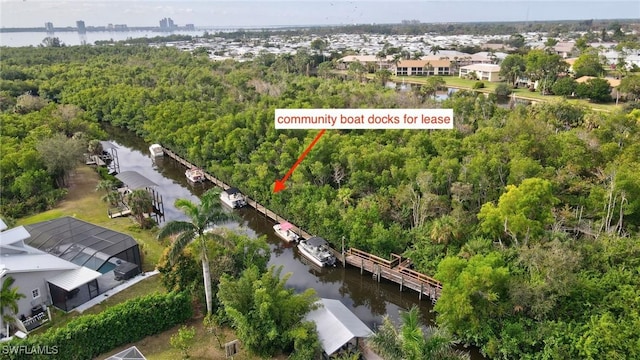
(338, 327)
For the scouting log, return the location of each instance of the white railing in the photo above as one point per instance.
(36, 320)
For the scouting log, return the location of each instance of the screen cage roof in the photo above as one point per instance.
(78, 241)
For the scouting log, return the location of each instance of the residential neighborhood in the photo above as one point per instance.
(407, 56)
(369, 47)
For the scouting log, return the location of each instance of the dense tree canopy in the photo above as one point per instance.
(267, 316)
(588, 64)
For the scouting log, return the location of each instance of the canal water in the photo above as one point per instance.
(368, 299)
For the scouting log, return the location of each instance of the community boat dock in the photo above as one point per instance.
(396, 270)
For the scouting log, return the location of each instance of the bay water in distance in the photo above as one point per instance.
(72, 38)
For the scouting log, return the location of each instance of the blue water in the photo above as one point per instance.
(93, 263)
(108, 266)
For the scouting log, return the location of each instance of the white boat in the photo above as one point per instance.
(284, 231)
(156, 150)
(233, 198)
(195, 175)
(317, 250)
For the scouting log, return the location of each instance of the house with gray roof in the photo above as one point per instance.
(63, 263)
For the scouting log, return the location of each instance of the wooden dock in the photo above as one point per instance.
(395, 270)
(95, 160)
(118, 213)
(250, 202)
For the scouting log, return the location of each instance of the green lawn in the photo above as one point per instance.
(454, 81)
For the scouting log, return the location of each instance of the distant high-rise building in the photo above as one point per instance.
(48, 26)
(167, 24)
(81, 28)
(190, 27)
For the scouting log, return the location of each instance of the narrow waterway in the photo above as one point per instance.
(367, 298)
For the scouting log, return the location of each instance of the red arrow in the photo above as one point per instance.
(279, 184)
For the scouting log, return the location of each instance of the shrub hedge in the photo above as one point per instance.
(91, 335)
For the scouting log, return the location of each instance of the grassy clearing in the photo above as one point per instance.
(83, 202)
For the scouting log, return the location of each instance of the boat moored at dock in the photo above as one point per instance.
(195, 175)
(233, 198)
(317, 250)
(284, 231)
(156, 150)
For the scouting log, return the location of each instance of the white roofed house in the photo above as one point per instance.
(62, 262)
(28, 267)
(368, 61)
(486, 57)
(564, 48)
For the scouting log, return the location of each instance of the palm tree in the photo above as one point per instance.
(202, 217)
(444, 230)
(410, 342)
(140, 202)
(383, 76)
(112, 196)
(9, 299)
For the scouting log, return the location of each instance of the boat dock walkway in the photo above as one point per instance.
(119, 212)
(396, 270)
(250, 202)
(95, 160)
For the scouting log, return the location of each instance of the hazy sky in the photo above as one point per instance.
(34, 13)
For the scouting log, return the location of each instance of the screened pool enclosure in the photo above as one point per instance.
(97, 250)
